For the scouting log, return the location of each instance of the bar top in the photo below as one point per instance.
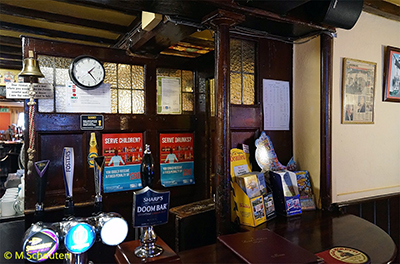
(314, 231)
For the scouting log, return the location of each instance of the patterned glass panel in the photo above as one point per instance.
(45, 105)
(137, 102)
(212, 96)
(62, 76)
(124, 101)
(62, 63)
(187, 81)
(236, 88)
(248, 56)
(45, 61)
(111, 74)
(48, 73)
(168, 72)
(248, 89)
(61, 97)
(187, 101)
(114, 101)
(137, 77)
(236, 55)
(124, 76)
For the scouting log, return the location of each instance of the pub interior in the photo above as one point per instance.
(192, 79)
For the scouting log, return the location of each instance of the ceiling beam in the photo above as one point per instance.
(10, 65)
(57, 18)
(6, 56)
(10, 49)
(10, 41)
(54, 33)
(382, 8)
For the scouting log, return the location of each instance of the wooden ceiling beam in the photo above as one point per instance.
(10, 65)
(57, 18)
(10, 49)
(382, 8)
(10, 41)
(6, 56)
(54, 33)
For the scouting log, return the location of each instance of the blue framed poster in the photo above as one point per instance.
(176, 159)
(123, 154)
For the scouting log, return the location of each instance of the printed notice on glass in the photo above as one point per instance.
(276, 100)
(168, 95)
(88, 101)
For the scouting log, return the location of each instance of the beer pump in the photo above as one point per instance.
(77, 235)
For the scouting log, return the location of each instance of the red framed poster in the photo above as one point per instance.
(176, 159)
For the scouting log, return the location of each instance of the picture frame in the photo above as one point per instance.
(391, 91)
(358, 90)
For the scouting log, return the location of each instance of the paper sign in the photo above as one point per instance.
(176, 159)
(88, 101)
(276, 101)
(123, 154)
(169, 95)
(21, 90)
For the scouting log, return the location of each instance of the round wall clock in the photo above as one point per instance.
(86, 72)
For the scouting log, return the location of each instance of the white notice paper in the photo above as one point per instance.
(96, 100)
(276, 100)
(169, 94)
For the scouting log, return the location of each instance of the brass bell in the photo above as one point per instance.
(31, 67)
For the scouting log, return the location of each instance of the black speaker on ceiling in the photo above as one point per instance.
(337, 13)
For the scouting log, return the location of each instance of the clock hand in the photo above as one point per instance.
(92, 75)
(91, 70)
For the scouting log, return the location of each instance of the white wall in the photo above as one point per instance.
(365, 157)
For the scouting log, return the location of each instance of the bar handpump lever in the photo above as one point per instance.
(41, 168)
(68, 171)
(98, 176)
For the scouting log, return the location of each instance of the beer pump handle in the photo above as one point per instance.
(98, 176)
(68, 171)
(147, 168)
(41, 168)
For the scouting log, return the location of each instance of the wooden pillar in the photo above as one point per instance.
(221, 21)
(326, 120)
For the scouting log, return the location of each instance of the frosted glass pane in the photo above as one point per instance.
(62, 76)
(111, 74)
(48, 73)
(61, 97)
(45, 105)
(114, 101)
(236, 55)
(248, 56)
(137, 102)
(124, 102)
(202, 85)
(248, 89)
(236, 88)
(137, 77)
(188, 101)
(124, 76)
(168, 72)
(187, 81)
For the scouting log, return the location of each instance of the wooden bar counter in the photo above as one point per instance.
(315, 231)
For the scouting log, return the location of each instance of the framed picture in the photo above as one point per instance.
(358, 89)
(391, 91)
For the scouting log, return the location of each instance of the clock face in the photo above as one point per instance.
(86, 72)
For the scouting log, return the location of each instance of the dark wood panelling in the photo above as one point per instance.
(246, 117)
(53, 131)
